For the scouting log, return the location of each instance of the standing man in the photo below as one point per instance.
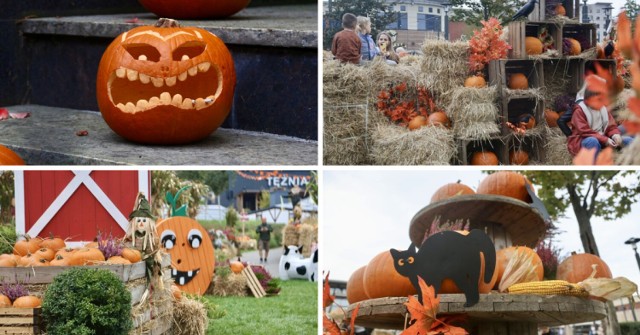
(264, 230)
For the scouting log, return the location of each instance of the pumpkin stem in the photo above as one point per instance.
(167, 23)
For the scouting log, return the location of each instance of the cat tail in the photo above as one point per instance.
(488, 250)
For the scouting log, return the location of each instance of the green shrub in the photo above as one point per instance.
(8, 238)
(231, 217)
(86, 301)
(630, 328)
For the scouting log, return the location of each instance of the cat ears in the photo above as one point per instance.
(396, 253)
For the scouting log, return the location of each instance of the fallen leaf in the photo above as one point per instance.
(329, 326)
(354, 315)
(82, 133)
(327, 298)
(424, 317)
(22, 115)
(134, 20)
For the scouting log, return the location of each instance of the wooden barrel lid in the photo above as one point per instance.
(521, 221)
(544, 310)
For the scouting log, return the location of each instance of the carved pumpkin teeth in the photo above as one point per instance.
(171, 81)
(144, 78)
(177, 100)
(193, 71)
(120, 73)
(204, 67)
(183, 277)
(132, 75)
(142, 104)
(157, 82)
(182, 76)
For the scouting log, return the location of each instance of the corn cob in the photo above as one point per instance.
(549, 287)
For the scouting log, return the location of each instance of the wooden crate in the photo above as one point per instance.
(15, 321)
(531, 144)
(519, 30)
(585, 33)
(569, 69)
(545, 9)
(467, 148)
(500, 71)
(513, 107)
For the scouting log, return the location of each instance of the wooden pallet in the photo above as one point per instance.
(532, 145)
(466, 148)
(544, 9)
(511, 108)
(15, 321)
(579, 31)
(254, 284)
(519, 30)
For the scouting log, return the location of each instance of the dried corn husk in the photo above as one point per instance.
(608, 288)
(520, 269)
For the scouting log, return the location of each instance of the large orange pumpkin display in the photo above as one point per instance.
(165, 84)
(8, 157)
(448, 286)
(194, 9)
(450, 190)
(382, 280)
(506, 183)
(355, 287)
(192, 255)
(578, 267)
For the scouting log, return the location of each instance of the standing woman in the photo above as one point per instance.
(386, 48)
(368, 50)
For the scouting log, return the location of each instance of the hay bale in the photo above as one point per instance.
(306, 238)
(189, 317)
(344, 83)
(473, 112)
(290, 235)
(231, 284)
(630, 155)
(557, 81)
(555, 148)
(445, 65)
(394, 145)
(345, 135)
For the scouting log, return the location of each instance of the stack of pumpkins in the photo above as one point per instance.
(379, 279)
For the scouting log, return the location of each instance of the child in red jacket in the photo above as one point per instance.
(346, 43)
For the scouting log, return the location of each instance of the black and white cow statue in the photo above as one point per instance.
(294, 266)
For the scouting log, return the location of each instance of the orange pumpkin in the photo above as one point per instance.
(9, 260)
(27, 301)
(118, 260)
(93, 244)
(26, 246)
(417, 122)
(86, 256)
(32, 260)
(503, 256)
(448, 286)
(4, 301)
(175, 291)
(600, 52)
(518, 81)
(8, 157)
(518, 157)
(475, 81)
(195, 9)
(132, 255)
(45, 253)
(532, 45)
(54, 243)
(560, 10)
(576, 48)
(484, 158)
(506, 183)
(578, 267)
(451, 190)
(551, 117)
(439, 119)
(59, 260)
(382, 280)
(528, 120)
(192, 255)
(355, 287)
(66, 252)
(165, 84)
(236, 267)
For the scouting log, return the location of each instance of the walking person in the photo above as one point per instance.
(264, 231)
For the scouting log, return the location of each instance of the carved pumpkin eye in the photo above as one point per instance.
(410, 260)
(401, 262)
(188, 50)
(142, 51)
(168, 239)
(195, 238)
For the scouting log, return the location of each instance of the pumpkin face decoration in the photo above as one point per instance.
(165, 84)
(192, 257)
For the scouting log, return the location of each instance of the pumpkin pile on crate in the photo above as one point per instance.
(35, 262)
(518, 268)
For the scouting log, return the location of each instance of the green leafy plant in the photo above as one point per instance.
(8, 238)
(87, 301)
(231, 217)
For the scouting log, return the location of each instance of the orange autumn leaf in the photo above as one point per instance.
(587, 157)
(632, 127)
(354, 315)
(327, 298)
(624, 35)
(330, 327)
(424, 317)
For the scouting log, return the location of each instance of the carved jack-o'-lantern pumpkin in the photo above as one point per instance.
(165, 84)
(192, 256)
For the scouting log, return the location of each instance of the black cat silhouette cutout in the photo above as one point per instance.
(449, 255)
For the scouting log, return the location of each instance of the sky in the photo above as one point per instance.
(366, 212)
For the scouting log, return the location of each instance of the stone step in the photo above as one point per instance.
(48, 137)
(272, 26)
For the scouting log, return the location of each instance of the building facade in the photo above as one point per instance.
(600, 16)
(418, 20)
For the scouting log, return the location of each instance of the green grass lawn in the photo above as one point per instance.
(294, 312)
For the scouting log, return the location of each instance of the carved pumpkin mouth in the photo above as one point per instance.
(196, 88)
(183, 277)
